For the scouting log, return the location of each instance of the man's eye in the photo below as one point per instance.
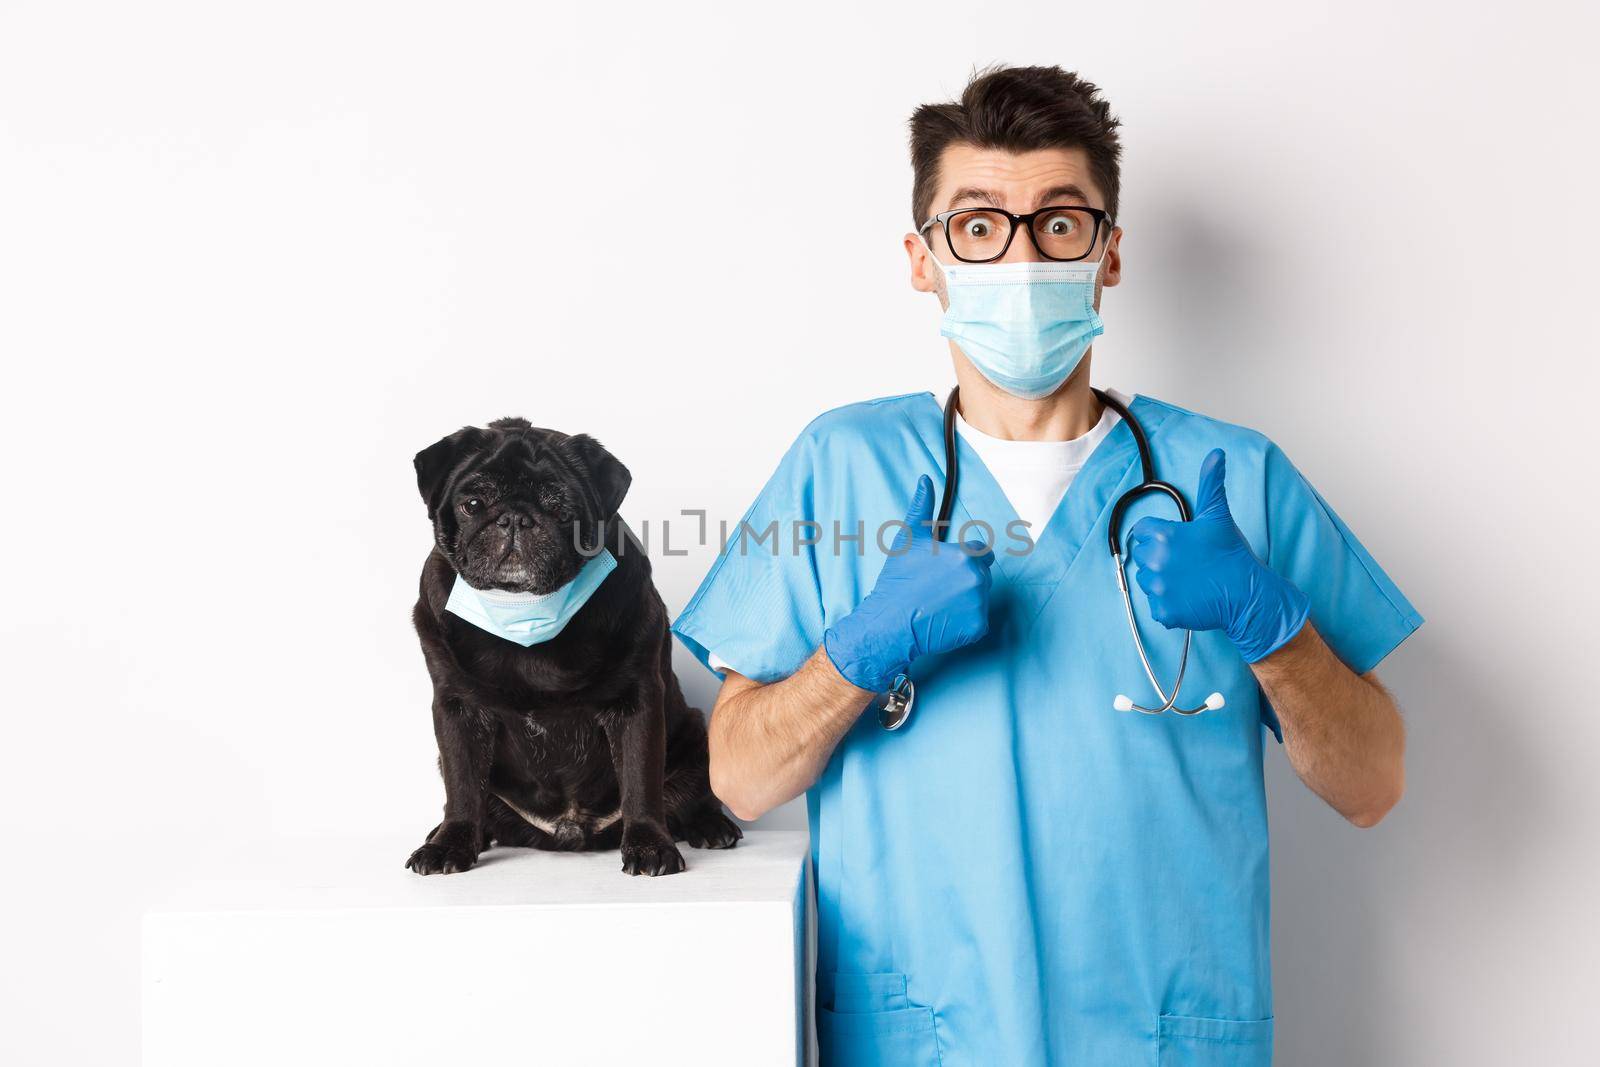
(1060, 225)
(472, 505)
(979, 229)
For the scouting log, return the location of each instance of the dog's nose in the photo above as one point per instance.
(523, 521)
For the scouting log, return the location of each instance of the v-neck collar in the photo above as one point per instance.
(1056, 547)
(1011, 463)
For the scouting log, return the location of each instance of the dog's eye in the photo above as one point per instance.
(556, 503)
(472, 505)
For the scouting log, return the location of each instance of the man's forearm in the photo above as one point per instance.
(1341, 730)
(769, 743)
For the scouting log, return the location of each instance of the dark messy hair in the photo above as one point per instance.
(1017, 109)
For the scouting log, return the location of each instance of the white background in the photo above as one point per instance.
(253, 258)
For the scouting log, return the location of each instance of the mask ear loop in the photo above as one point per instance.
(942, 285)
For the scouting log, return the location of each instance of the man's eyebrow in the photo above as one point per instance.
(970, 192)
(1056, 194)
(1060, 194)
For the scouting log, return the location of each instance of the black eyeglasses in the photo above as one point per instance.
(982, 235)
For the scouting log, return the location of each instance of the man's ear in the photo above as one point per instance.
(924, 276)
(1111, 273)
(607, 476)
(435, 462)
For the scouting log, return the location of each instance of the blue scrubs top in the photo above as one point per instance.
(1023, 875)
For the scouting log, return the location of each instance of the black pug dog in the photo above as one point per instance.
(583, 741)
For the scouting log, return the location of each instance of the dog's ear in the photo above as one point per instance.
(435, 462)
(608, 477)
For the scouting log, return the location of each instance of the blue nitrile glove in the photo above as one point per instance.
(930, 597)
(1201, 574)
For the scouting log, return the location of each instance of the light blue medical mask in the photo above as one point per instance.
(529, 618)
(1025, 326)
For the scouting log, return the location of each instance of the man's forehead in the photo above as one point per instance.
(1018, 179)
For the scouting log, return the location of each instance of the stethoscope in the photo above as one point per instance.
(897, 704)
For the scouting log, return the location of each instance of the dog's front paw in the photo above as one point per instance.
(648, 850)
(709, 828)
(441, 859)
(451, 849)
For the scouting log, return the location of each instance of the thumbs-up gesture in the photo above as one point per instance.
(1201, 574)
(930, 597)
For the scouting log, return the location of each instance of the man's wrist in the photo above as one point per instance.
(1277, 613)
(832, 674)
(862, 658)
(1286, 654)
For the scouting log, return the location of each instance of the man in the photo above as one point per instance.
(1026, 872)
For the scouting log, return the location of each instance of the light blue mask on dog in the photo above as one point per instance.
(529, 618)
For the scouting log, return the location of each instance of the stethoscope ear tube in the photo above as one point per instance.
(1168, 703)
(1149, 484)
(1128, 499)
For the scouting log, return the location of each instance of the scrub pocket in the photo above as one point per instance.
(872, 1024)
(1187, 1042)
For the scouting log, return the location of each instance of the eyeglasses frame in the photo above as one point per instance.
(1102, 219)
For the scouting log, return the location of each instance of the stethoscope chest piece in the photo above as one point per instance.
(896, 707)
